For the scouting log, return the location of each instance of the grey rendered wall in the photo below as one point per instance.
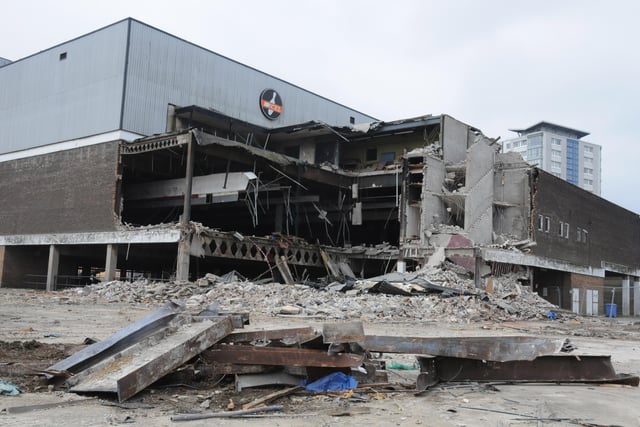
(454, 140)
(511, 188)
(64, 191)
(433, 209)
(44, 99)
(478, 206)
(164, 69)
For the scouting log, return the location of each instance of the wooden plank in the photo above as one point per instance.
(271, 397)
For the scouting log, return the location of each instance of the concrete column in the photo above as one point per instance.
(626, 294)
(2, 250)
(52, 268)
(636, 296)
(111, 263)
(279, 218)
(182, 265)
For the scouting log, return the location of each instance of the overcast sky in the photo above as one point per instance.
(496, 65)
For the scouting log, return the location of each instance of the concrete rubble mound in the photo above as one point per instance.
(430, 294)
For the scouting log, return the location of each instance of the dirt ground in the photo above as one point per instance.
(37, 329)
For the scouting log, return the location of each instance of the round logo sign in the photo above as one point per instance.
(270, 104)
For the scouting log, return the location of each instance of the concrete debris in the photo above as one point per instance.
(506, 299)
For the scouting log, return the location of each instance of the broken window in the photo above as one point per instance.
(372, 154)
(388, 157)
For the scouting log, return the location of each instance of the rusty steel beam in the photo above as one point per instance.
(283, 337)
(345, 332)
(556, 368)
(498, 349)
(280, 356)
(144, 362)
(119, 341)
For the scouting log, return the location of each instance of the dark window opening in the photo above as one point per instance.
(352, 120)
(292, 151)
(372, 154)
(63, 56)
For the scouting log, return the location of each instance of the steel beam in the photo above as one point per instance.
(281, 356)
(283, 336)
(341, 333)
(122, 339)
(555, 368)
(138, 366)
(170, 354)
(499, 349)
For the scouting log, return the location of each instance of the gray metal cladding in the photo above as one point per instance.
(163, 69)
(69, 91)
(124, 75)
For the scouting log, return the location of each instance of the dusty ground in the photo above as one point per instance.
(38, 329)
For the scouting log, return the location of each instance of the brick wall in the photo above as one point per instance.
(65, 191)
(612, 235)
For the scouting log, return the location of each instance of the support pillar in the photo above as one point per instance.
(111, 263)
(477, 281)
(626, 294)
(184, 246)
(182, 262)
(636, 296)
(52, 267)
(2, 251)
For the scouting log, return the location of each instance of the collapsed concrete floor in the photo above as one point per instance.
(48, 326)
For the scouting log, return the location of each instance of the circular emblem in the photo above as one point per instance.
(270, 104)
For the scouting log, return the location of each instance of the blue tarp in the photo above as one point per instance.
(333, 382)
(8, 389)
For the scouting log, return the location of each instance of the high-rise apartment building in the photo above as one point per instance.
(560, 151)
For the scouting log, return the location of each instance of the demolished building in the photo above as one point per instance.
(183, 174)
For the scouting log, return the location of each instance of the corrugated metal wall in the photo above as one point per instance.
(45, 99)
(163, 69)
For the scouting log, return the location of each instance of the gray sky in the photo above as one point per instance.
(493, 64)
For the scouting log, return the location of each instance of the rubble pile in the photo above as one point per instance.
(446, 296)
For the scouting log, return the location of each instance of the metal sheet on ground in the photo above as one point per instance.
(498, 349)
(556, 368)
(122, 339)
(140, 365)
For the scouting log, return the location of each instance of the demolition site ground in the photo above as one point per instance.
(40, 329)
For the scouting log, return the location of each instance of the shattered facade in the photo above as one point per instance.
(311, 192)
